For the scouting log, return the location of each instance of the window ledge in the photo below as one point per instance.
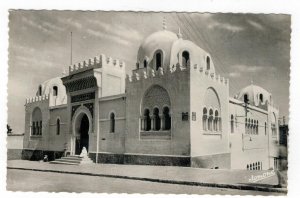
(160, 135)
(212, 133)
(35, 136)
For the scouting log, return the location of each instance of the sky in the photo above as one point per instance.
(243, 47)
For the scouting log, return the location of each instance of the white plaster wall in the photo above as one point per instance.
(57, 142)
(37, 142)
(177, 85)
(206, 142)
(243, 151)
(112, 142)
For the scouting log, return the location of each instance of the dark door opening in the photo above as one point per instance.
(83, 139)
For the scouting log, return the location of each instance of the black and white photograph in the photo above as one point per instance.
(148, 102)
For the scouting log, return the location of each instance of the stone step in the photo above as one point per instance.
(73, 160)
(69, 160)
(63, 162)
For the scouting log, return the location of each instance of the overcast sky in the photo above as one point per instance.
(243, 47)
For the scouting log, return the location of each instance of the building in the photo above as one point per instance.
(173, 110)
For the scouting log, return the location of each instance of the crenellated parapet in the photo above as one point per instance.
(97, 62)
(35, 99)
(210, 75)
(143, 74)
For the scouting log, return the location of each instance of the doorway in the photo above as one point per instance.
(82, 139)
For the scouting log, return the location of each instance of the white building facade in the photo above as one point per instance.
(173, 110)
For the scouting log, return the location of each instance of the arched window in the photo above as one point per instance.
(210, 119)
(246, 99)
(247, 166)
(251, 127)
(258, 166)
(158, 60)
(265, 128)
(250, 166)
(137, 65)
(155, 99)
(257, 125)
(216, 120)
(145, 63)
(204, 119)
(167, 118)
(156, 119)
(33, 128)
(112, 122)
(36, 119)
(40, 90)
(246, 125)
(207, 63)
(41, 127)
(261, 97)
(57, 126)
(185, 58)
(253, 166)
(55, 91)
(147, 120)
(232, 123)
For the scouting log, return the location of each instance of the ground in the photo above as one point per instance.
(26, 180)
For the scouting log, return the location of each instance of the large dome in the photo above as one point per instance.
(165, 48)
(162, 40)
(256, 95)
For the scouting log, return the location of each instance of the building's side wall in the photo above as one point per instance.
(209, 149)
(35, 147)
(273, 117)
(246, 148)
(177, 85)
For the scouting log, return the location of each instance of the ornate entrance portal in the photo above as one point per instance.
(82, 126)
(82, 137)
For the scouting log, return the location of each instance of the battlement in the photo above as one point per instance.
(143, 74)
(97, 62)
(37, 99)
(210, 75)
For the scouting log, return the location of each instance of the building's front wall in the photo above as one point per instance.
(109, 144)
(57, 137)
(142, 148)
(39, 142)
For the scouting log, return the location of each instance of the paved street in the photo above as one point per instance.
(25, 180)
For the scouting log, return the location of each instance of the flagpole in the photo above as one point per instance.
(71, 50)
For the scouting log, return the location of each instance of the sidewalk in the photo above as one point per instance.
(236, 179)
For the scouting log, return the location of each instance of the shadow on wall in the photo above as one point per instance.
(36, 155)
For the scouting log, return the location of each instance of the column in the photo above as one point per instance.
(162, 122)
(152, 123)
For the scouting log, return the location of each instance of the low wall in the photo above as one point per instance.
(14, 154)
(141, 159)
(216, 161)
(36, 155)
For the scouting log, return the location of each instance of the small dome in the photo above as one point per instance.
(256, 95)
(48, 85)
(161, 40)
(55, 89)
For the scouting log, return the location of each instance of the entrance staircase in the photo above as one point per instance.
(73, 160)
